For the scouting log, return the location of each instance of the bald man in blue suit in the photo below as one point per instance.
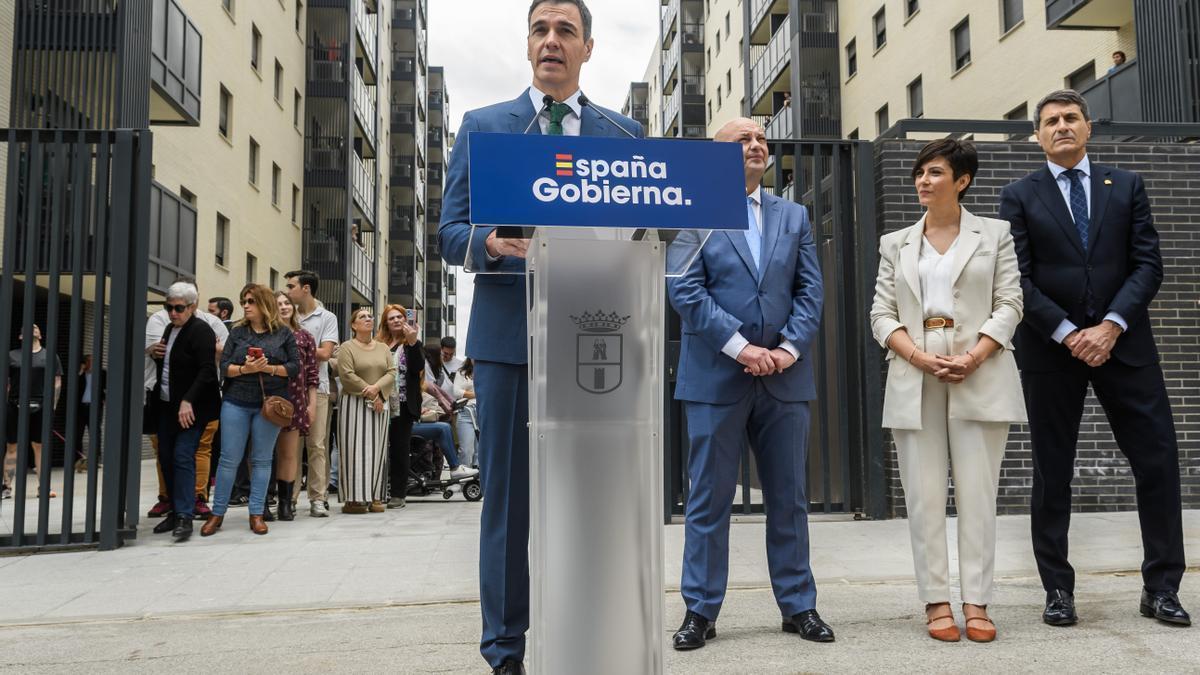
(751, 308)
(559, 44)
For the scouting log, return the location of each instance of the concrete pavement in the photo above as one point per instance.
(397, 592)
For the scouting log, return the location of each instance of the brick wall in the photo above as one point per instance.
(1103, 481)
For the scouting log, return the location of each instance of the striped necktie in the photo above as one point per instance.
(1079, 205)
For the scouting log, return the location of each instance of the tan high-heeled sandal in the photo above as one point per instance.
(947, 634)
(984, 629)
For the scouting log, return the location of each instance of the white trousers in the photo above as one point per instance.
(974, 450)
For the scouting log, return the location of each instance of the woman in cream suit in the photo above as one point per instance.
(947, 301)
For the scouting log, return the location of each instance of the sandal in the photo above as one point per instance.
(946, 634)
(984, 629)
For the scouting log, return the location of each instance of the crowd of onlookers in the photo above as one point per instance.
(251, 409)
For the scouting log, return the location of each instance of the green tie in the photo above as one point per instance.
(558, 111)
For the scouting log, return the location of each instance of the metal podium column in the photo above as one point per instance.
(595, 445)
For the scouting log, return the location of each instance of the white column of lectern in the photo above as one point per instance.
(595, 443)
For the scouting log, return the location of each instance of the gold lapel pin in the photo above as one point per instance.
(1108, 181)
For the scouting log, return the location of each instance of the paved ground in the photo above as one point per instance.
(396, 592)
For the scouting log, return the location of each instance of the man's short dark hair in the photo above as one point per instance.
(583, 12)
(224, 306)
(1065, 97)
(305, 278)
(449, 342)
(1123, 56)
(960, 155)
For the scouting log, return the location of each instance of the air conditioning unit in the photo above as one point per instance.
(326, 159)
(328, 71)
(816, 23)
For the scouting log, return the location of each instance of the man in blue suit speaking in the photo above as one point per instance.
(559, 43)
(751, 307)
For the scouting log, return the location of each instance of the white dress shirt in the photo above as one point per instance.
(937, 287)
(571, 124)
(737, 342)
(1064, 186)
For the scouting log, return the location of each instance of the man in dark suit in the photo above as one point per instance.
(559, 43)
(751, 308)
(1090, 266)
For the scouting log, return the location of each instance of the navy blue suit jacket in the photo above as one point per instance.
(722, 293)
(498, 326)
(1120, 271)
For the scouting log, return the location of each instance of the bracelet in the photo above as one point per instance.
(912, 353)
(241, 370)
(977, 364)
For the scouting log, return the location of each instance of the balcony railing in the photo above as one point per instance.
(362, 180)
(671, 110)
(670, 62)
(780, 126)
(325, 153)
(402, 171)
(368, 31)
(403, 118)
(693, 36)
(362, 271)
(693, 85)
(758, 12)
(175, 58)
(404, 65)
(771, 63)
(364, 105)
(327, 64)
(669, 11)
(1116, 96)
(404, 17)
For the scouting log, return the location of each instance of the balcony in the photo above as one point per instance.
(365, 24)
(325, 161)
(404, 18)
(693, 37)
(1117, 96)
(176, 52)
(670, 66)
(403, 118)
(1088, 14)
(327, 71)
(670, 11)
(404, 65)
(364, 107)
(670, 111)
(362, 272)
(362, 182)
(402, 171)
(172, 238)
(435, 137)
(780, 126)
(771, 63)
(434, 215)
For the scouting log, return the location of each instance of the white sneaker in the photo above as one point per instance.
(463, 472)
(318, 510)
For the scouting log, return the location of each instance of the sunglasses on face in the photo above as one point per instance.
(178, 309)
(248, 301)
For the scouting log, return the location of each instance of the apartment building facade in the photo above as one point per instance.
(440, 280)
(408, 143)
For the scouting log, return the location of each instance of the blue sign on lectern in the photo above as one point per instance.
(591, 181)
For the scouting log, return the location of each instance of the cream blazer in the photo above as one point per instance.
(987, 300)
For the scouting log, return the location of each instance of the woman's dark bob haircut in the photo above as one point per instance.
(960, 155)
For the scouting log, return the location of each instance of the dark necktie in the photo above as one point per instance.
(1079, 205)
(558, 112)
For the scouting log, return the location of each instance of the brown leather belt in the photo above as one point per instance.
(934, 322)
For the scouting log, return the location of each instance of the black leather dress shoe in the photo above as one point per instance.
(1164, 606)
(1060, 609)
(509, 667)
(166, 524)
(810, 626)
(694, 632)
(183, 529)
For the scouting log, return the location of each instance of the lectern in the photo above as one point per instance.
(608, 219)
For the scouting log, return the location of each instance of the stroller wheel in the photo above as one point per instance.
(447, 494)
(472, 491)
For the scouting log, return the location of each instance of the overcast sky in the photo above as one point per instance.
(481, 44)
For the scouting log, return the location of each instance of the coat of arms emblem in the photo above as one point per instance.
(598, 351)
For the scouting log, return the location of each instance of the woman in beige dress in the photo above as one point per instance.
(368, 373)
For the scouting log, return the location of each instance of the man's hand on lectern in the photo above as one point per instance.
(498, 248)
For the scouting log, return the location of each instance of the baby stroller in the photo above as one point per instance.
(425, 473)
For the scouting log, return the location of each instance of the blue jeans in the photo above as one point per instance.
(239, 423)
(465, 425)
(177, 456)
(439, 433)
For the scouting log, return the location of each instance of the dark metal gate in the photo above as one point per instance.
(75, 251)
(834, 180)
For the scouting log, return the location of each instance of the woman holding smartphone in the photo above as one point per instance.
(259, 358)
(398, 332)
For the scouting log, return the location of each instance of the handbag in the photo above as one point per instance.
(277, 409)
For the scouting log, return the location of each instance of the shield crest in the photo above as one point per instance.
(598, 362)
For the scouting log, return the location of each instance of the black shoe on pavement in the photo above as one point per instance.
(1164, 606)
(166, 524)
(694, 632)
(1060, 609)
(509, 667)
(240, 500)
(183, 530)
(810, 626)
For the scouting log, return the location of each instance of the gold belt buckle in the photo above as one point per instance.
(936, 322)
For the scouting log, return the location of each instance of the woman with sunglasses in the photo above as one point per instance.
(367, 372)
(259, 358)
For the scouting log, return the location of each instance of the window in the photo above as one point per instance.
(962, 45)
(1012, 12)
(916, 102)
(228, 5)
(729, 80)
(710, 115)
(1020, 112)
(911, 7)
(708, 59)
(295, 204)
(251, 269)
(276, 176)
(718, 97)
(274, 277)
(299, 14)
(278, 82)
(881, 120)
(880, 22)
(222, 240)
(225, 115)
(851, 59)
(853, 135)
(1080, 79)
(187, 196)
(253, 162)
(741, 51)
(727, 24)
(296, 101)
(255, 47)
(718, 43)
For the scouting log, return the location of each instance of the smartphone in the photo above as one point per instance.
(411, 316)
(254, 352)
